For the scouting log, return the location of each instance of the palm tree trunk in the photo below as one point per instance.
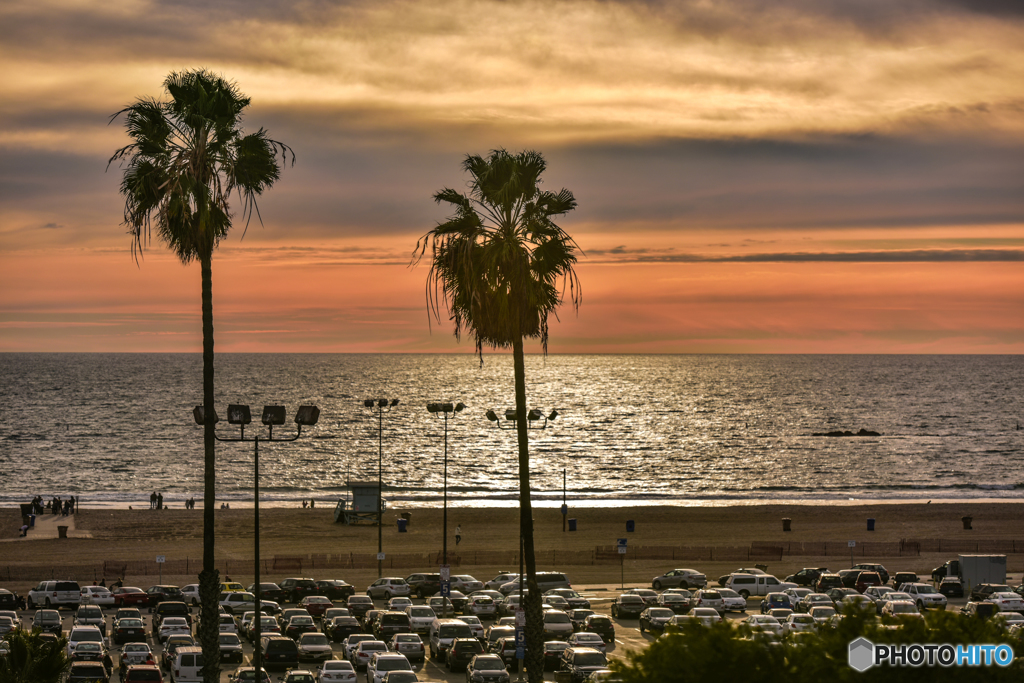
(209, 580)
(534, 618)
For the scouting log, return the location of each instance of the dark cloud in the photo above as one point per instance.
(52, 226)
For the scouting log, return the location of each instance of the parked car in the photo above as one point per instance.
(129, 596)
(279, 652)
(951, 587)
(775, 601)
(169, 608)
(500, 580)
(628, 606)
(545, 582)
(870, 567)
(576, 616)
(298, 676)
(680, 578)
(388, 587)
(462, 650)
(364, 650)
(230, 647)
(982, 610)
(296, 588)
(55, 594)
(268, 591)
(763, 622)
(336, 671)
(654, 619)
(823, 614)
(87, 672)
(410, 645)
(983, 590)
(247, 674)
(423, 585)
(925, 596)
(48, 620)
(602, 625)
(796, 623)
(466, 583)
(348, 647)
(420, 618)
(900, 578)
(237, 601)
(80, 634)
(340, 628)
(316, 605)
(159, 593)
(900, 610)
(129, 630)
(388, 623)
(96, 595)
(314, 647)
(488, 668)
(891, 595)
(867, 579)
(808, 576)
(172, 625)
(753, 584)
(575, 600)
(359, 605)
(1006, 601)
(708, 598)
(581, 662)
(556, 625)
(190, 594)
(298, 625)
(827, 582)
(335, 589)
(475, 625)
(553, 650)
(876, 593)
(383, 662)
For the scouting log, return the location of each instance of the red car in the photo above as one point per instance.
(127, 596)
(316, 605)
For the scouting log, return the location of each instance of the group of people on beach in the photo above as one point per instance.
(55, 505)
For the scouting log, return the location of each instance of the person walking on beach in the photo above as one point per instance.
(458, 534)
(152, 500)
(159, 501)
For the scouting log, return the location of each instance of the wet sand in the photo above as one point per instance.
(144, 534)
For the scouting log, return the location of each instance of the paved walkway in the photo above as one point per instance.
(46, 527)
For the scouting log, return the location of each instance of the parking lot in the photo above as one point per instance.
(627, 636)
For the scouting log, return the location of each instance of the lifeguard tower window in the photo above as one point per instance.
(360, 507)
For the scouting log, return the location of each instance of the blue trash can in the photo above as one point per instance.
(31, 520)
(630, 526)
(402, 523)
(572, 524)
(871, 523)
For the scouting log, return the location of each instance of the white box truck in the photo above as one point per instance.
(978, 569)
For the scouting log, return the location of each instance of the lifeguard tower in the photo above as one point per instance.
(361, 505)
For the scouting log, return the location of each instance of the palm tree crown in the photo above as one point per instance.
(187, 156)
(497, 260)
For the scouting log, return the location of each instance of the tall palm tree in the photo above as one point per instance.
(33, 660)
(187, 156)
(496, 264)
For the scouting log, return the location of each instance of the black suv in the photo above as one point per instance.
(580, 662)
(388, 624)
(268, 591)
(870, 567)
(807, 576)
(296, 589)
(424, 585)
(461, 651)
(279, 651)
(335, 589)
(827, 581)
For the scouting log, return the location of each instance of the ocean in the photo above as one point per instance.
(631, 429)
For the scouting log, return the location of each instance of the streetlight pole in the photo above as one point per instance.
(533, 417)
(380, 404)
(272, 415)
(444, 409)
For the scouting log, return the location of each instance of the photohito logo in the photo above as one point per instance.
(864, 654)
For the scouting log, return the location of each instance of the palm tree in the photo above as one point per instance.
(187, 156)
(496, 264)
(32, 659)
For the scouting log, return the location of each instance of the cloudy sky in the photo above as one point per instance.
(835, 176)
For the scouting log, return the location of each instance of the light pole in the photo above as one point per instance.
(444, 410)
(380, 404)
(272, 415)
(532, 418)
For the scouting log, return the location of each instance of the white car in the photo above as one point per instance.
(171, 625)
(388, 588)
(399, 604)
(226, 624)
(585, 639)
(383, 662)
(823, 615)
(481, 606)
(348, 646)
(190, 593)
(796, 595)
(135, 653)
(764, 622)
(707, 616)
(336, 671)
(365, 650)
(901, 608)
(876, 593)
(557, 624)
(680, 578)
(795, 623)
(732, 601)
(474, 625)
(1009, 619)
(1007, 602)
(924, 596)
(500, 580)
(86, 634)
(466, 583)
(708, 598)
(97, 595)
(7, 624)
(420, 618)
(891, 595)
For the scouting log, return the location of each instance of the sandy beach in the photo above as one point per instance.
(663, 537)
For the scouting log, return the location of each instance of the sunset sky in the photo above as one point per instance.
(753, 176)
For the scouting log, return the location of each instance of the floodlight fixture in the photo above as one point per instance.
(533, 415)
(198, 413)
(459, 407)
(431, 408)
(369, 403)
(307, 416)
(553, 415)
(491, 415)
(510, 414)
(394, 402)
(239, 414)
(273, 415)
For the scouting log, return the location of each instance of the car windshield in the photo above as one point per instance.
(659, 613)
(129, 623)
(421, 612)
(337, 666)
(360, 600)
(136, 647)
(301, 621)
(590, 659)
(229, 639)
(802, 618)
(314, 639)
(556, 618)
(87, 636)
(393, 664)
(823, 612)
(489, 664)
(903, 608)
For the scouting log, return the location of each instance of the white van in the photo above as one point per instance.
(443, 632)
(754, 584)
(187, 666)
